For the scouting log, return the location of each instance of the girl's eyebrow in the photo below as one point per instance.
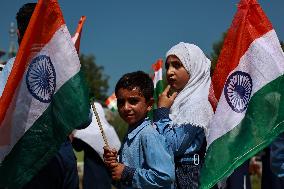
(176, 62)
(173, 62)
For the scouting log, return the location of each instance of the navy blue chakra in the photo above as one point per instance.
(41, 78)
(237, 90)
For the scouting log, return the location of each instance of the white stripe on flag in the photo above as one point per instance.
(157, 77)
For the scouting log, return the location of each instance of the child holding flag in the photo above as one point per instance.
(144, 161)
(182, 116)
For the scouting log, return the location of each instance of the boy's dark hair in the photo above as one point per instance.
(138, 79)
(23, 17)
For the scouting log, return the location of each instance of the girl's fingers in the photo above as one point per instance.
(174, 95)
(166, 91)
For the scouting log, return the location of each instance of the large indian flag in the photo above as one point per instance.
(248, 81)
(44, 99)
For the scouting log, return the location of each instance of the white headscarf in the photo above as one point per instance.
(92, 135)
(191, 104)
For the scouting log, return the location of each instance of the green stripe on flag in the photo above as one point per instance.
(158, 90)
(262, 123)
(44, 138)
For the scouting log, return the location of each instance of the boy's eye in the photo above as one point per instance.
(133, 101)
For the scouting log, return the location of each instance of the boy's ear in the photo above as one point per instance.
(150, 103)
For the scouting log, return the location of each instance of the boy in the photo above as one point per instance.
(144, 161)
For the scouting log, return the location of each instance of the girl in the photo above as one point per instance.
(184, 110)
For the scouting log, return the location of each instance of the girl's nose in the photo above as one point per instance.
(170, 71)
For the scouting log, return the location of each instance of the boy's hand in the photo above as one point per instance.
(110, 156)
(116, 171)
(254, 167)
(71, 137)
(166, 99)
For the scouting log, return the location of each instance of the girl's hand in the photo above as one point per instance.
(166, 99)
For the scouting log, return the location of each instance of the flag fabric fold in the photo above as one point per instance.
(44, 99)
(248, 82)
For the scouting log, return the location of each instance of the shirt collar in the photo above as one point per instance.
(132, 132)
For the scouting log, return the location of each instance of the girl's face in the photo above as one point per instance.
(177, 76)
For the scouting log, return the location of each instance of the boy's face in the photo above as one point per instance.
(132, 105)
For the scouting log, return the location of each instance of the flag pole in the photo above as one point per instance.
(100, 124)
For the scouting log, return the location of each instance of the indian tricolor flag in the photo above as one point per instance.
(111, 102)
(44, 99)
(158, 80)
(77, 36)
(249, 84)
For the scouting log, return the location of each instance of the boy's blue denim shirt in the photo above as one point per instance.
(184, 140)
(147, 162)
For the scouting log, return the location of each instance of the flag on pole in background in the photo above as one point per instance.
(44, 99)
(248, 82)
(111, 102)
(77, 36)
(158, 80)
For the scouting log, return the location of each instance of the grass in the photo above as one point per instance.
(255, 182)
(79, 156)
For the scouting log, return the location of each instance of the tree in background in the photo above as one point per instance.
(119, 125)
(282, 45)
(96, 80)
